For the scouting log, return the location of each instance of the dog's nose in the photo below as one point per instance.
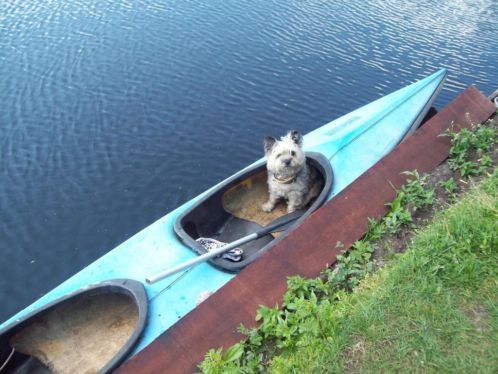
(287, 161)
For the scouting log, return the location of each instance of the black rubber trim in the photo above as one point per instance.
(131, 288)
(317, 160)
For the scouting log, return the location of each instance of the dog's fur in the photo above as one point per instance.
(289, 175)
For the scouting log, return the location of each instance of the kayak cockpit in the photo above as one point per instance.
(233, 211)
(89, 331)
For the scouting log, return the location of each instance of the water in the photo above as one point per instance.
(115, 112)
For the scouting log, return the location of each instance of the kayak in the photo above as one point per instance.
(103, 321)
(340, 151)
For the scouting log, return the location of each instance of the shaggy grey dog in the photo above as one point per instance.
(289, 175)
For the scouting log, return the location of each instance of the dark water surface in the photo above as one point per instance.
(115, 112)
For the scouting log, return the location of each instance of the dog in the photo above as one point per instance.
(289, 175)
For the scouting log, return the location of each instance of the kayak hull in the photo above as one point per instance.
(351, 144)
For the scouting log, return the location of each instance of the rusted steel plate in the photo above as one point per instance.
(306, 250)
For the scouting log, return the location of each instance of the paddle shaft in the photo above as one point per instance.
(282, 221)
(202, 258)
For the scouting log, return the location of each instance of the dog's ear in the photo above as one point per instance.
(268, 143)
(296, 137)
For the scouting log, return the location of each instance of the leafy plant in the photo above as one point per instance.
(352, 267)
(417, 191)
(478, 140)
(398, 216)
(450, 187)
(413, 195)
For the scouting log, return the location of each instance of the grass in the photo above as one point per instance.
(431, 309)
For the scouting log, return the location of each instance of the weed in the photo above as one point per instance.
(450, 187)
(417, 192)
(478, 140)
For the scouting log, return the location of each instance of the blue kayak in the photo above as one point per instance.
(340, 151)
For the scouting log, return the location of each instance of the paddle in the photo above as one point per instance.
(279, 224)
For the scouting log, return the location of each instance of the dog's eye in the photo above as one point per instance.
(279, 155)
(293, 153)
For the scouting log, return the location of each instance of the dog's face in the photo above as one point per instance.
(285, 157)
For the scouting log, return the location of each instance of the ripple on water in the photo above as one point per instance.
(115, 112)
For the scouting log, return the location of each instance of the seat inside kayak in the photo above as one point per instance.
(88, 332)
(233, 211)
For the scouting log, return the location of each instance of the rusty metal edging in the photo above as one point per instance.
(308, 249)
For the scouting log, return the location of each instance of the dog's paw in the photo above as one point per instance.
(267, 207)
(291, 208)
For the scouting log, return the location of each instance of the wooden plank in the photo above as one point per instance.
(307, 250)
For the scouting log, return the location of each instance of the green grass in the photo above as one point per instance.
(432, 309)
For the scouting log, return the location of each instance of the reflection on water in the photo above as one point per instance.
(115, 112)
